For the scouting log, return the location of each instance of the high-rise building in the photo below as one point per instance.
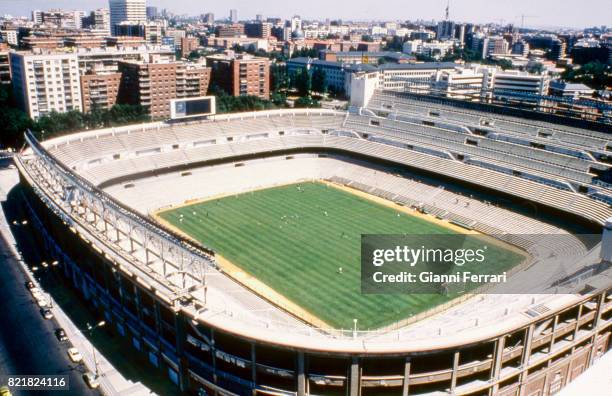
(37, 16)
(151, 12)
(259, 18)
(241, 75)
(209, 18)
(233, 15)
(43, 83)
(494, 45)
(446, 30)
(100, 19)
(131, 11)
(296, 23)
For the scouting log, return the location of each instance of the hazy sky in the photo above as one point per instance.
(569, 13)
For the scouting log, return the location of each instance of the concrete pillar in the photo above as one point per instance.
(552, 334)
(355, 378)
(596, 320)
(301, 375)
(454, 373)
(525, 359)
(406, 382)
(497, 362)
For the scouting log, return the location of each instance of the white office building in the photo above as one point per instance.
(131, 11)
(43, 83)
(434, 49)
(9, 36)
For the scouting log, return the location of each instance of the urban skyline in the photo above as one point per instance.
(542, 14)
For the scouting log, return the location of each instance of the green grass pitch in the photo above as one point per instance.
(294, 239)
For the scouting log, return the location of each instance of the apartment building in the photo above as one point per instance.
(153, 85)
(258, 29)
(99, 91)
(5, 67)
(189, 44)
(241, 74)
(43, 83)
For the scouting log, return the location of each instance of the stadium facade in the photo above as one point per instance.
(89, 195)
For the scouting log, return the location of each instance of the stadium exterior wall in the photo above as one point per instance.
(523, 361)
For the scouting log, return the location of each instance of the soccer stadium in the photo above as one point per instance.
(227, 248)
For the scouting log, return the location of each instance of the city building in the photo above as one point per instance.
(233, 16)
(570, 90)
(446, 30)
(258, 29)
(209, 18)
(494, 45)
(9, 36)
(106, 60)
(337, 74)
(371, 57)
(411, 76)
(231, 30)
(131, 11)
(520, 47)
(189, 44)
(59, 18)
(510, 83)
(5, 67)
(460, 83)
(153, 85)
(241, 74)
(43, 83)
(433, 49)
(99, 91)
(101, 19)
(151, 12)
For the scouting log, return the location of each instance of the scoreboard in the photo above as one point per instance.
(192, 107)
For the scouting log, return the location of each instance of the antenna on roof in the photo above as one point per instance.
(447, 9)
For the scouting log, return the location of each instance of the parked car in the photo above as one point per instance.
(61, 335)
(46, 313)
(74, 355)
(91, 380)
(42, 302)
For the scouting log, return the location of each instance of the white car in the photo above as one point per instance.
(74, 355)
(91, 380)
(42, 302)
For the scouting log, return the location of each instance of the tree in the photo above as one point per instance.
(396, 44)
(306, 102)
(302, 82)
(594, 74)
(536, 68)
(319, 83)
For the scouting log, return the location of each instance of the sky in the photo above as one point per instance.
(542, 13)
